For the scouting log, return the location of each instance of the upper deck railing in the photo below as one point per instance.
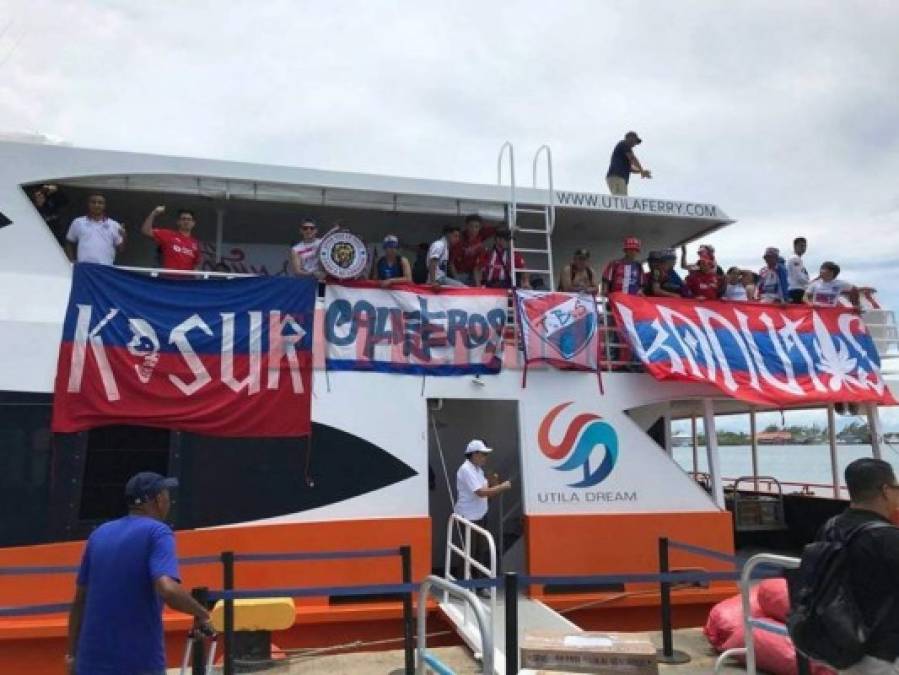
(615, 352)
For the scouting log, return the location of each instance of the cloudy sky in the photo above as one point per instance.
(785, 116)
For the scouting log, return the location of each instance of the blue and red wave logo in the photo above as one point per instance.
(584, 433)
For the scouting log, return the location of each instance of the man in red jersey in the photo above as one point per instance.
(469, 254)
(180, 251)
(703, 281)
(625, 275)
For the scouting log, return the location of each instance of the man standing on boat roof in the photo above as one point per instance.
(623, 163)
(473, 489)
(128, 570)
(179, 250)
(96, 237)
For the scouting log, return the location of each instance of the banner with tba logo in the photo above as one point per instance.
(413, 329)
(767, 354)
(220, 357)
(559, 328)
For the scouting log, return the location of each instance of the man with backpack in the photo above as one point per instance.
(846, 603)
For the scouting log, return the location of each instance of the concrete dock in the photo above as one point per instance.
(459, 659)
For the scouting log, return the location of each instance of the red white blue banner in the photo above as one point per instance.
(559, 328)
(414, 329)
(768, 354)
(219, 357)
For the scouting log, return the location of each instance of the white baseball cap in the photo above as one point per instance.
(477, 445)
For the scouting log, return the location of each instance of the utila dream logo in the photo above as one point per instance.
(585, 433)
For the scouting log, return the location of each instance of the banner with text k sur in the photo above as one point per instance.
(767, 354)
(414, 330)
(219, 357)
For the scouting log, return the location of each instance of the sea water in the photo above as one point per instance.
(791, 463)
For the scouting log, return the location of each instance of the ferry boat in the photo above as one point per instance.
(362, 479)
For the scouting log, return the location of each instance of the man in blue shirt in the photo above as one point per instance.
(128, 570)
(623, 163)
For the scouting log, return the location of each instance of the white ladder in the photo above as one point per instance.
(536, 235)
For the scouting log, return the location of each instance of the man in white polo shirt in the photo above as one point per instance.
(95, 237)
(473, 489)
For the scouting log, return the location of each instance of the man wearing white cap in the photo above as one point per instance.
(472, 492)
(773, 284)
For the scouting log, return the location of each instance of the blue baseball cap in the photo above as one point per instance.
(145, 485)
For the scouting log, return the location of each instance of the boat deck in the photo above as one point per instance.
(459, 659)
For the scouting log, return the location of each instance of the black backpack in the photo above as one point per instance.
(825, 622)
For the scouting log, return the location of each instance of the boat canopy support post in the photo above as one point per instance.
(667, 416)
(219, 232)
(754, 445)
(711, 444)
(695, 444)
(876, 431)
(832, 443)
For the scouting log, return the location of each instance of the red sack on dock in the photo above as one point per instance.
(726, 617)
(775, 654)
(774, 600)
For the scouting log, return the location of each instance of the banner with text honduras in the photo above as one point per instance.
(220, 357)
(767, 354)
(414, 329)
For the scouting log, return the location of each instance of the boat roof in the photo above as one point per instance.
(661, 222)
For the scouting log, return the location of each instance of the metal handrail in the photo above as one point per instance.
(749, 622)
(202, 274)
(549, 179)
(513, 202)
(466, 527)
(470, 600)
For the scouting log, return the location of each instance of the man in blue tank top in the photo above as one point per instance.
(128, 570)
(623, 163)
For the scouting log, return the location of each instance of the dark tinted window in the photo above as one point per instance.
(25, 451)
(114, 454)
(230, 480)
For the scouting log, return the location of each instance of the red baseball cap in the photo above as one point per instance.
(632, 244)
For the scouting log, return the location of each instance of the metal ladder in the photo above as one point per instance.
(537, 235)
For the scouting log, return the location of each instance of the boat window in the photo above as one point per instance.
(25, 450)
(232, 480)
(249, 232)
(113, 455)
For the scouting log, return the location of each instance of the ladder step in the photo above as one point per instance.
(530, 230)
(541, 251)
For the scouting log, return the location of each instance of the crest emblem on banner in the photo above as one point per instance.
(343, 255)
(564, 321)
